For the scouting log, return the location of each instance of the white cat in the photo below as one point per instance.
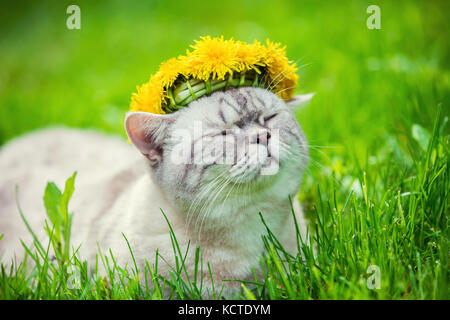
(213, 204)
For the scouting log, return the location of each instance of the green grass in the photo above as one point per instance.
(376, 190)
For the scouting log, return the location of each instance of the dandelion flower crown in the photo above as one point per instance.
(216, 64)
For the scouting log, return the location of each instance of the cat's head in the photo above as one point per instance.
(240, 143)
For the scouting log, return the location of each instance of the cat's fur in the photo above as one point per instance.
(118, 190)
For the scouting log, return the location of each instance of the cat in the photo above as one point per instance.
(210, 198)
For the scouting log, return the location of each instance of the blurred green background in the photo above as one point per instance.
(369, 125)
(369, 84)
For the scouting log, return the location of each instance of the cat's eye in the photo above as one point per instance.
(268, 118)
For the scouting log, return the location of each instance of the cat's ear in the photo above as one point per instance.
(147, 132)
(299, 100)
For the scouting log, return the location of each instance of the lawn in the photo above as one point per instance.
(377, 188)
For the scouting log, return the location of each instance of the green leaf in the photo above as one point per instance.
(67, 194)
(421, 136)
(1, 236)
(248, 294)
(52, 198)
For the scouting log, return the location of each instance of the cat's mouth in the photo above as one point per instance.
(254, 167)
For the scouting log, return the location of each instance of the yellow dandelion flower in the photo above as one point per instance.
(169, 71)
(213, 58)
(149, 97)
(281, 72)
(216, 59)
(250, 56)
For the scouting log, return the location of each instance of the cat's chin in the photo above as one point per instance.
(264, 172)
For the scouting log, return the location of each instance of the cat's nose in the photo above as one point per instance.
(262, 137)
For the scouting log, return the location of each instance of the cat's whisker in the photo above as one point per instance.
(221, 208)
(284, 76)
(285, 89)
(210, 192)
(238, 168)
(238, 182)
(205, 213)
(205, 189)
(311, 146)
(285, 146)
(280, 73)
(318, 149)
(286, 149)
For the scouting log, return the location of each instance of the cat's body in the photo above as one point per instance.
(119, 191)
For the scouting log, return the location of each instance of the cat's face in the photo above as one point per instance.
(220, 145)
